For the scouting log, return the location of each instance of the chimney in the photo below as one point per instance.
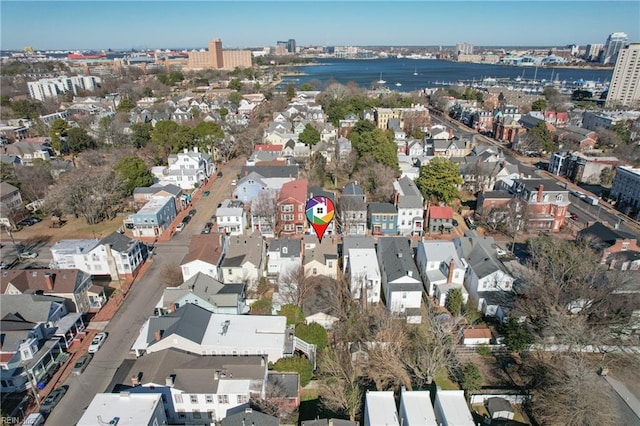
(172, 307)
(48, 280)
(135, 381)
(450, 133)
(410, 273)
(540, 191)
(186, 150)
(158, 334)
(195, 149)
(452, 266)
(170, 380)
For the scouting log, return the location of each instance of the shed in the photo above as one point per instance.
(499, 408)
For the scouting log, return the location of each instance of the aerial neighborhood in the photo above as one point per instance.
(482, 265)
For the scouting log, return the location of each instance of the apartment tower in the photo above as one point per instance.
(624, 89)
(217, 58)
(615, 42)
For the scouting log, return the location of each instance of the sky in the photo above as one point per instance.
(147, 24)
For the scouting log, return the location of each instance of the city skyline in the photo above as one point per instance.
(52, 25)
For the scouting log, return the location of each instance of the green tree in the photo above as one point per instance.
(26, 108)
(141, 134)
(235, 98)
(516, 336)
(606, 177)
(309, 136)
(175, 77)
(306, 87)
(78, 140)
(291, 91)
(208, 129)
(455, 301)
(147, 92)
(134, 173)
(126, 105)
(439, 179)
(539, 105)
(223, 112)
(543, 135)
(296, 364)
(293, 313)
(261, 307)
(163, 134)
(622, 129)
(471, 378)
(58, 130)
(235, 84)
(313, 333)
(366, 138)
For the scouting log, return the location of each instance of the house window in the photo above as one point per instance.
(194, 399)
(196, 414)
(384, 217)
(181, 414)
(209, 398)
(287, 208)
(230, 271)
(559, 197)
(242, 399)
(300, 216)
(223, 399)
(624, 246)
(315, 271)
(300, 208)
(178, 398)
(210, 414)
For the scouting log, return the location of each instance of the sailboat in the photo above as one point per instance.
(381, 81)
(415, 72)
(398, 84)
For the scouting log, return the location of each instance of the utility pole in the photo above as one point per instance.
(32, 383)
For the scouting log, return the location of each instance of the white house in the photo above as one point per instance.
(441, 269)
(231, 217)
(124, 408)
(416, 408)
(451, 408)
(410, 204)
(283, 256)
(380, 409)
(364, 275)
(205, 255)
(188, 169)
(401, 284)
(244, 261)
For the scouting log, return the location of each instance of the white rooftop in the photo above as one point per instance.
(454, 408)
(154, 204)
(234, 386)
(129, 409)
(364, 261)
(441, 251)
(381, 409)
(74, 246)
(252, 331)
(418, 410)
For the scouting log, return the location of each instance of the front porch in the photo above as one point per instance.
(44, 364)
(70, 329)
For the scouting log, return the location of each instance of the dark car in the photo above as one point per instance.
(207, 228)
(206, 193)
(53, 399)
(219, 174)
(192, 212)
(454, 222)
(186, 219)
(24, 222)
(81, 364)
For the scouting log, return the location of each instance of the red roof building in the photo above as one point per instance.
(291, 207)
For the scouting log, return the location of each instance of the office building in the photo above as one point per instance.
(592, 52)
(218, 58)
(624, 89)
(615, 42)
(626, 189)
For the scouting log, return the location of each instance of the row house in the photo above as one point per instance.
(319, 258)
(138, 409)
(28, 152)
(188, 169)
(482, 175)
(272, 175)
(482, 120)
(244, 260)
(155, 217)
(440, 219)
(291, 208)
(205, 255)
(410, 204)
(488, 282)
(441, 269)
(231, 217)
(181, 115)
(382, 219)
(576, 137)
(618, 250)
(73, 285)
(206, 292)
(284, 256)
(142, 194)
(594, 120)
(451, 148)
(440, 132)
(581, 168)
(264, 212)
(199, 388)
(626, 190)
(545, 203)
(116, 256)
(352, 210)
(346, 124)
(400, 280)
(344, 147)
(363, 273)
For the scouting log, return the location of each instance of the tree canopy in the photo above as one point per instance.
(543, 135)
(439, 179)
(296, 364)
(366, 138)
(78, 140)
(126, 105)
(293, 313)
(134, 173)
(309, 136)
(313, 333)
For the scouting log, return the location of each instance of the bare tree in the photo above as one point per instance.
(264, 209)
(293, 286)
(171, 275)
(341, 390)
(34, 180)
(376, 179)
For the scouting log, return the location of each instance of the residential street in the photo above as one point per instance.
(137, 307)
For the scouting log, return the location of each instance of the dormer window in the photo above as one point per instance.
(284, 250)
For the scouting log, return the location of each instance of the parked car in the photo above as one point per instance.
(206, 193)
(192, 212)
(81, 364)
(53, 399)
(219, 174)
(97, 342)
(180, 227)
(207, 228)
(574, 216)
(186, 219)
(454, 222)
(28, 255)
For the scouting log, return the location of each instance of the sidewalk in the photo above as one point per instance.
(624, 393)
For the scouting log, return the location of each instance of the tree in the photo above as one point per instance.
(147, 92)
(606, 177)
(171, 275)
(553, 97)
(291, 91)
(516, 336)
(261, 307)
(622, 129)
(78, 140)
(439, 179)
(26, 108)
(134, 173)
(223, 112)
(235, 84)
(306, 87)
(455, 301)
(209, 135)
(471, 378)
(309, 136)
(59, 129)
(368, 139)
(264, 209)
(375, 178)
(34, 181)
(125, 105)
(543, 136)
(293, 313)
(539, 105)
(235, 98)
(312, 333)
(296, 364)
(141, 134)
(341, 390)
(294, 286)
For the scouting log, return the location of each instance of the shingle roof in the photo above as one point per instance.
(396, 258)
(64, 280)
(382, 208)
(250, 417)
(604, 235)
(271, 171)
(296, 189)
(205, 247)
(118, 242)
(441, 212)
(32, 307)
(293, 247)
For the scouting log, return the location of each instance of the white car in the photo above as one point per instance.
(97, 342)
(28, 255)
(180, 227)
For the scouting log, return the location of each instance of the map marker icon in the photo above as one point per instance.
(320, 211)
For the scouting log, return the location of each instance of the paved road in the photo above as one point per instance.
(629, 406)
(138, 306)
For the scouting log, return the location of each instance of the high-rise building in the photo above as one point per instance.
(218, 58)
(291, 46)
(624, 89)
(52, 87)
(464, 49)
(614, 43)
(592, 52)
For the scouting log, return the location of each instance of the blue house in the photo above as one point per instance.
(154, 217)
(383, 218)
(249, 187)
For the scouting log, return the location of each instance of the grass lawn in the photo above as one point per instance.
(442, 379)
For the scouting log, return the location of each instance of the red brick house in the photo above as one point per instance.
(291, 208)
(619, 250)
(546, 204)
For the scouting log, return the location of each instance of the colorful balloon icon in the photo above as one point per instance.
(320, 211)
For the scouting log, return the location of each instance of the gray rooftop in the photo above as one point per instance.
(396, 258)
(271, 171)
(30, 307)
(119, 242)
(409, 194)
(382, 208)
(293, 247)
(480, 253)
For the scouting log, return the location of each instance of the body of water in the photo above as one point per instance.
(418, 74)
